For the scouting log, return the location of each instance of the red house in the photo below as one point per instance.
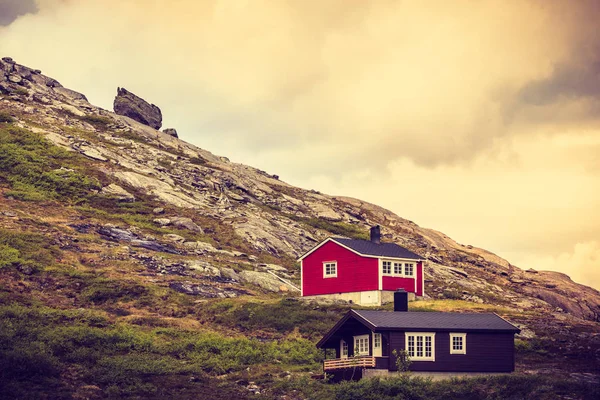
(361, 271)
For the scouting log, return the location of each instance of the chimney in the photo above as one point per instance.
(400, 300)
(376, 234)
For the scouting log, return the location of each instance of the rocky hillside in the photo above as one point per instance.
(147, 212)
(267, 216)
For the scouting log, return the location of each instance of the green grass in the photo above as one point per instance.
(97, 121)
(37, 170)
(138, 214)
(102, 290)
(337, 228)
(26, 249)
(6, 117)
(38, 344)
(450, 305)
(21, 91)
(515, 387)
(280, 318)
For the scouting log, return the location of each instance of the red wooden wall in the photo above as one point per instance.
(408, 284)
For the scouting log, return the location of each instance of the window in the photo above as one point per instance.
(330, 269)
(387, 267)
(458, 343)
(397, 268)
(361, 345)
(344, 349)
(377, 344)
(420, 346)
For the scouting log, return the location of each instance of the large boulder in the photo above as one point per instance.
(264, 280)
(185, 223)
(134, 107)
(118, 193)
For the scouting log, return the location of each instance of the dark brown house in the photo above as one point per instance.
(434, 341)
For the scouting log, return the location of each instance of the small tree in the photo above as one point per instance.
(355, 358)
(403, 360)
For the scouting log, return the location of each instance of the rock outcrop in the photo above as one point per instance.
(138, 109)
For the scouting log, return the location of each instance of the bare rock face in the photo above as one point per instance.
(136, 108)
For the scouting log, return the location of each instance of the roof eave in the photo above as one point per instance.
(330, 333)
(332, 239)
(350, 314)
(430, 329)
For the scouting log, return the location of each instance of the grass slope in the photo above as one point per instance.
(80, 318)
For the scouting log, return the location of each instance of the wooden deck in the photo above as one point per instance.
(342, 363)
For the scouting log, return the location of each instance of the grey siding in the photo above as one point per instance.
(486, 352)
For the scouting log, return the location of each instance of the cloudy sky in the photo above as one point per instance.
(480, 119)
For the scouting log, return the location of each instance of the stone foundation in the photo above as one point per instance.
(372, 298)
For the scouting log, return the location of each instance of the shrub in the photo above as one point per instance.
(97, 120)
(197, 160)
(104, 290)
(405, 387)
(403, 360)
(25, 248)
(6, 117)
(21, 91)
(282, 317)
(8, 256)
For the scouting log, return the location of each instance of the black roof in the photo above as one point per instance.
(435, 320)
(420, 321)
(374, 249)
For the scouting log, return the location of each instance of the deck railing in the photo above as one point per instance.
(341, 363)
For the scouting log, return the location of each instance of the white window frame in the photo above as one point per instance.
(423, 335)
(397, 268)
(325, 274)
(343, 349)
(377, 344)
(357, 349)
(384, 266)
(464, 343)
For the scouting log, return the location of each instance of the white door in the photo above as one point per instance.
(361, 345)
(343, 349)
(377, 344)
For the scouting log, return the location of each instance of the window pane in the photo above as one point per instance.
(419, 346)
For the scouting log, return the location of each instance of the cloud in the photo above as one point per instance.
(423, 83)
(581, 263)
(569, 93)
(10, 10)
